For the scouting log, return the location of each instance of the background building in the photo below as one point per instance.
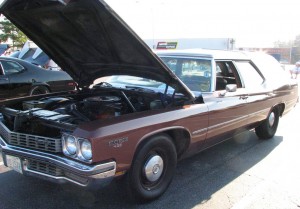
(284, 55)
(192, 43)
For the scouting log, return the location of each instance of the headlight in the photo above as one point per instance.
(70, 143)
(77, 148)
(86, 150)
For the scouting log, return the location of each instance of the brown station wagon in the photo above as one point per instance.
(145, 115)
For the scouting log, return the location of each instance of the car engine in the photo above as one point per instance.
(49, 116)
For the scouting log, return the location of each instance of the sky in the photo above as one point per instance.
(255, 23)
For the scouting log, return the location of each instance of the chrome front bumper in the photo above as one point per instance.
(58, 168)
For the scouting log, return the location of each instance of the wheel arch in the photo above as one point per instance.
(268, 127)
(180, 136)
(38, 84)
(280, 107)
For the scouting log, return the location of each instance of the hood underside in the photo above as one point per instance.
(88, 40)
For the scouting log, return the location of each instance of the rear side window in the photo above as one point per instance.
(250, 75)
(10, 67)
(226, 74)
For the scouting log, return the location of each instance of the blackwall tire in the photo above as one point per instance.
(36, 90)
(268, 128)
(152, 169)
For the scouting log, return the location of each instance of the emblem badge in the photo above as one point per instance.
(117, 143)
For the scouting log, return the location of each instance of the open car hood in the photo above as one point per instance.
(88, 40)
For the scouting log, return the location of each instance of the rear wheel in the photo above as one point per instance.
(152, 169)
(36, 90)
(268, 128)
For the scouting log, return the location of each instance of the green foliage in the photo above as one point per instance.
(10, 31)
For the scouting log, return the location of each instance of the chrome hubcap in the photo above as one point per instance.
(271, 119)
(154, 168)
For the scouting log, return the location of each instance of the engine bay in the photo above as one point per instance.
(50, 116)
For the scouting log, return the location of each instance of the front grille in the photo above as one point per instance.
(30, 141)
(53, 171)
(44, 168)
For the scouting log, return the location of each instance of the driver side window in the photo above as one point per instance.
(193, 72)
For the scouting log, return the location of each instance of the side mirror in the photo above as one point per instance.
(231, 87)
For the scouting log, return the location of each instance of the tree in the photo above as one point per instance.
(290, 43)
(294, 46)
(10, 31)
(297, 41)
(283, 44)
(295, 50)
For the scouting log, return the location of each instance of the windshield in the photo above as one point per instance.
(194, 73)
(134, 81)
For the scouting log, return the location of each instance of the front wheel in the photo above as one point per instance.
(268, 128)
(152, 169)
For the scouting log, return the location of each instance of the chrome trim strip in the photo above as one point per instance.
(238, 119)
(200, 131)
(163, 130)
(261, 111)
(227, 122)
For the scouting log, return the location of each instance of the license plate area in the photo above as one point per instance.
(14, 163)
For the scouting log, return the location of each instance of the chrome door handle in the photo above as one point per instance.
(244, 97)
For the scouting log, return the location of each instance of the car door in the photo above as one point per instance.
(17, 84)
(257, 93)
(195, 73)
(227, 108)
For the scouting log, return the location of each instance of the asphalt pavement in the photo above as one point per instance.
(241, 173)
